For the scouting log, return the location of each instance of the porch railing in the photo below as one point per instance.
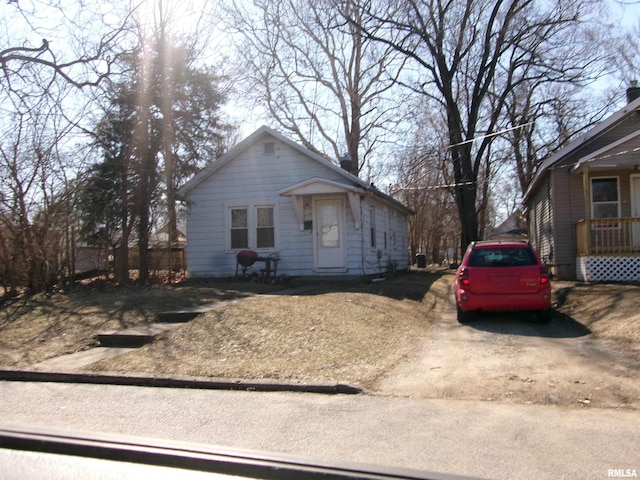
(608, 235)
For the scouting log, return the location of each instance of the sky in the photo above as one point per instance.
(185, 16)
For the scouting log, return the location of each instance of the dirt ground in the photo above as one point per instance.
(581, 359)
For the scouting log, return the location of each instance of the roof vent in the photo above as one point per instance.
(633, 91)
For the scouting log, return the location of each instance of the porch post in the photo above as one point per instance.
(586, 190)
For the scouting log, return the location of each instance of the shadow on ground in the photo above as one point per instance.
(526, 324)
(412, 285)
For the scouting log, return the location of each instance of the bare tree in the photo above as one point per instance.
(317, 76)
(161, 124)
(471, 56)
(423, 184)
(48, 43)
(50, 65)
(34, 204)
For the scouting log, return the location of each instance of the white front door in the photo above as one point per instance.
(635, 208)
(329, 232)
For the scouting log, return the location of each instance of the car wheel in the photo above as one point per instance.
(544, 316)
(464, 317)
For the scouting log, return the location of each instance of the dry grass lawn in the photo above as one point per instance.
(351, 337)
(343, 333)
(33, 329)
(610, 311)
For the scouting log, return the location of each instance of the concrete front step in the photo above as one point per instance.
(183, 315)
(134, 337)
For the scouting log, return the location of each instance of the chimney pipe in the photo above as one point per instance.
(633, 91)
(347, 163)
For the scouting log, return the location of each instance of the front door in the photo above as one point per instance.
(635, 208)
(329, 232)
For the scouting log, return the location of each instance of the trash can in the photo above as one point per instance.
(421, 258)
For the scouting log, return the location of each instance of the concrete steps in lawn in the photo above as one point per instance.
(183, 315)
(134, 337)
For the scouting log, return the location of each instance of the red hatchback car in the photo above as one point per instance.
(499, 276)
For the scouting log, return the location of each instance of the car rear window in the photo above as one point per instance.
(502, 257)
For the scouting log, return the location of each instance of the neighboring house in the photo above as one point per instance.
(160, 239)
(584, 202)
(270, 195)
(513, 228)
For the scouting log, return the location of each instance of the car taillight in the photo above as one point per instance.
(464, 277)
(544, 276)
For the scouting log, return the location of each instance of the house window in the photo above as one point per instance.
(307, 215)
(252, 227)
(372, 211)
(265, 231)
(605, 202)
(394, 222)
(239, 228)
(386, 227)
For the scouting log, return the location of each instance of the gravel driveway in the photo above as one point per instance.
(512, 358)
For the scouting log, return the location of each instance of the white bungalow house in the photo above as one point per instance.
(274, 197)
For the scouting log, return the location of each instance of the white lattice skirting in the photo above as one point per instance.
(608, 269)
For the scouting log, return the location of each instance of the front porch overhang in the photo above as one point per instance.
(323, 187)
(622, 154)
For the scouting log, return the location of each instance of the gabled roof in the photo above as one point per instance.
(587, 143)
(261, 133)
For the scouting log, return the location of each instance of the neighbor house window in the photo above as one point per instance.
(265, 230)
(605, 202)
(239, 228)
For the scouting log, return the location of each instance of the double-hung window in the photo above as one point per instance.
(372, 226)
(251, 227)
(605, 200)
(265, 229)
(239, 228)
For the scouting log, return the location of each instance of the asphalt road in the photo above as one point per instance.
(481, 439)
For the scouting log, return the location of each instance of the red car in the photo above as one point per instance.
(499, 276)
